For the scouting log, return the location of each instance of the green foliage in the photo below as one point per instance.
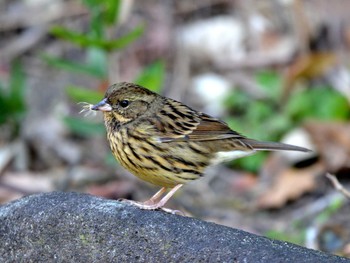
(152, 76)
(271, 120)
(321, 103)
(97, 46)
(297, 233)
(74, 67)
(80, 94)
(247, 113)
(271, 82)
(297, 237)
(333, 208)
(93, 40)
(251, 163)
(84, 128)
(12, 98)
(107, 10)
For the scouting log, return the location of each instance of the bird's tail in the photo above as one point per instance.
(273, 146)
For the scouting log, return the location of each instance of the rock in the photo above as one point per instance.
(73, 227)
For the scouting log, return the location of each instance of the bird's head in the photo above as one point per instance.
(125, 102)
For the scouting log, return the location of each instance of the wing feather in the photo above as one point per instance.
(177, 122)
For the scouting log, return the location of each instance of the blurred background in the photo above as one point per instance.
(273, 70)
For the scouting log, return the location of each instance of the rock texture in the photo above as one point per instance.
(73, 227)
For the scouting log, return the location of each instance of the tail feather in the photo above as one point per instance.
(273, 146)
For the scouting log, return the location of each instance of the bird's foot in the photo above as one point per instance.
(154, 203)
(148, 205)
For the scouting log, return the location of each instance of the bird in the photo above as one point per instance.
(166, 143)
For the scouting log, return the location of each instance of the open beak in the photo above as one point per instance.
(102, 106)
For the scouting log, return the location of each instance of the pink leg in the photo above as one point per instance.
(151, 204)
(155, 197)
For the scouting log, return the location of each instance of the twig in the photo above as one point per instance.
(337, 185)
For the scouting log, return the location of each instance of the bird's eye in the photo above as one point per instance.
(124, 103)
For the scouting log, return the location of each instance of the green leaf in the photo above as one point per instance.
(332, 208)
(235, 124)
(15, 99)
(275, 126)
(92, 4)
(271, 81)
(238, 102)
(17, 81)
(81, 39)
(80, 94)
(12, 100)
(98, 61)
(5, 113)
(84, 40)
(83, 127)
(74, 67)
(321, 103)
(297, 237)
(107, 9)
(251, 163)
(152, 76)
(112, 10)
(97, 30)
(259, 111)
(125, 40)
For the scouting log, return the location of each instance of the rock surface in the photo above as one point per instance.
(73, 227)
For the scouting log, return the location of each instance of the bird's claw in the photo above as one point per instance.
(172, 211)
(151, 207)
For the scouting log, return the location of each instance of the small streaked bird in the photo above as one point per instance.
(165, 142)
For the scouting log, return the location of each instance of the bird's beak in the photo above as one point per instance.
(102, 106)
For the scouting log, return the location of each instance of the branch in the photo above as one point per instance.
(337, 185)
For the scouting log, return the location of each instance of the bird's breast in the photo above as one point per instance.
(163, 164)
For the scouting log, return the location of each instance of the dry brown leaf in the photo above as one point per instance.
(289, 185)
(308, 66)
(17, 184)
(8, 195)
(243, 183)
(332, 141)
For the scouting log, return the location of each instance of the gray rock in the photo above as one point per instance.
(73, 227)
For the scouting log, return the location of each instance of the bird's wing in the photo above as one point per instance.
(209, 128)
(177, 122)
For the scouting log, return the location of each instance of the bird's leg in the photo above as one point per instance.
(155, 197)
(165, 199)
(152, 203)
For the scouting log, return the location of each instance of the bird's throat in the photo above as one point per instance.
(114, 121)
